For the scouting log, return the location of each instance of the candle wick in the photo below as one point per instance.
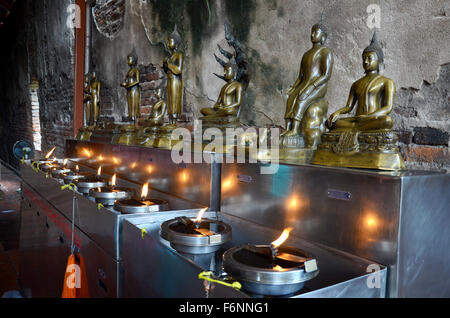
(274, 251)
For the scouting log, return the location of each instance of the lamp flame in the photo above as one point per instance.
(144, 192)
(113, 180)
(283, 237)
(200, 215)
(115, 160)
(100, 158)
(87, 152)
(77, 168)
(99, 171)
(65, 162)
(50, 153)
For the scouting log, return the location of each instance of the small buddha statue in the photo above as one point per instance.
(173, 67)
(364, 140)
(95, 93)
(226, 110)
(306, 108)
(87, 100)
(230, 96)
(131, 84)
(159, 110)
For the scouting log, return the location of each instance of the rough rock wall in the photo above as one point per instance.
(275, 35)
(37, 45)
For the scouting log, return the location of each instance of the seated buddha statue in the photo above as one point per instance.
(364, 140)
(230, 96)
(159, 110)
(225, 112)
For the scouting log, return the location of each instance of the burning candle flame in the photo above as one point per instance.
(54, 159)
(100, 158)
(113, 180)
(99, 171)
(200, 215)
(144, 192)
(65, 162)
(115, 160)
(87, 152)
(77, 168)
(283, 237)
(133, 165)
(50, 153)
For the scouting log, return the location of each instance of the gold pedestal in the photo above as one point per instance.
(164, 138)
(352, 149)
(85, 133)
(289, 155)
(128, 135)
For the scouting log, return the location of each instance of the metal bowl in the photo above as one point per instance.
(48, 167)
(70, 177)
(196, 243)
(58, 172)
(86, 184)
(109, 195)
(257, 279)
(133, 206)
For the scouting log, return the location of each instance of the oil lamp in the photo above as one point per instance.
(273, 270)
(86, 184)
(196, 236)
(58, 171)
(142, 205)
(75, 174)
(108, 195)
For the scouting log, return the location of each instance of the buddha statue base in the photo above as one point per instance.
(128, 135)
(148, 137)
(164, 137)
(221, 123)
(353, 149)
(85, 133)
(288, 155)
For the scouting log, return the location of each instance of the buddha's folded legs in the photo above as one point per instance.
(207, 111)
(365, 123)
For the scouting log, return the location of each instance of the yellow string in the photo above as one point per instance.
(71, 187)
(143, 233)
(23, 160)
(207, 276)
(100, 206)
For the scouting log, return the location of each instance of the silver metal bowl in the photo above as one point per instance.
(109, 195)
(192, 243)
(256, 278)
(133, 206)
(58, 172)
(70, 177)
(86, 184)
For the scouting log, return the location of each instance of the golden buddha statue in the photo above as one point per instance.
(306, 108)
(131, 84)
(87, 99)
(153, 123)
(95, 93)
(226, 110)
(128, 133)
(85, 132)
(173, 67)
(230, 96)
(366, 139)
(159, 110)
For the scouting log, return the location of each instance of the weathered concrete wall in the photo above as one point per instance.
(37, 45)
(275, 35)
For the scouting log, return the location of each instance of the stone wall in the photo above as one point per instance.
(275, 34)
(38, 45)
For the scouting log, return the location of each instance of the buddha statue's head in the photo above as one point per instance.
(159, 93)
(373, 56)
(132, 60)
(230, 71)
(174, 40)
(319, 31)
(94, 75)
